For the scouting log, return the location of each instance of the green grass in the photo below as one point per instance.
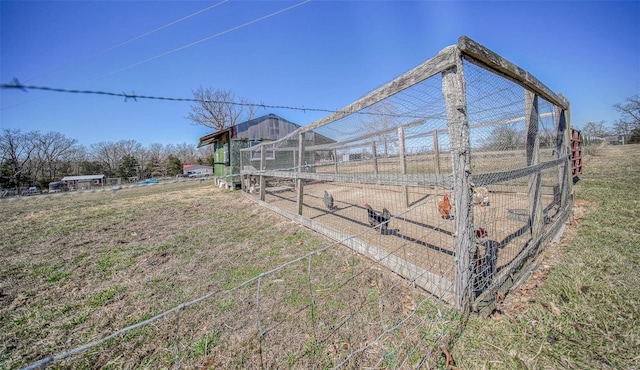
(74, 269)
(587, 313)
(204, 346)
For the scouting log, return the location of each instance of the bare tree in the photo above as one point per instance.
(629, 122)
(218, 109)
(205, 155)
(630, 111)
(187, 153)
(50, 151)
(16, 149)
(383, 117)
(107, 155)
(595, 130)
(505, 137)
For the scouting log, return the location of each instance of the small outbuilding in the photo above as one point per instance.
(84, 182)
(197, 170)
(228, 142)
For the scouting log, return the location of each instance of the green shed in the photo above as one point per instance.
(228, 142)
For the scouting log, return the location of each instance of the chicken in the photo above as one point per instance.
(378, 219)
(444, 207)
(328, 201)
(481, 196)
(481, 233)
(484, 263)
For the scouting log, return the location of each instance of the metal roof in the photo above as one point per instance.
(84, 177)
(269, 127)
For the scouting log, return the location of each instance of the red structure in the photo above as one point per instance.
(576, 153)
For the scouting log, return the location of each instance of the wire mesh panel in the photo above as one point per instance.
(386, 166)
(403, 160)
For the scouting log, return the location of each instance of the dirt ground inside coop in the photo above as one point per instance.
(417, 234)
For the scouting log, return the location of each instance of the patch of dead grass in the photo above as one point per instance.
(77, 268)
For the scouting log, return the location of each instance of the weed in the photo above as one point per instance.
(103, 297)
(58, 276)
(204, 346)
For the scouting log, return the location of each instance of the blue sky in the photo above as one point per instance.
(320, 54)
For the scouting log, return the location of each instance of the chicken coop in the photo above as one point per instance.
(454, 175)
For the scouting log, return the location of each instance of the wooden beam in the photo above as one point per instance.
(403, 164)
(562, 142)
(494, 61)
(342, 144)
(263, 166)
(422, 180)
(453, 89)
(374, 153)
(299, 182)
(442, 61)
(533, 158)
(496, 177)
(436, 152)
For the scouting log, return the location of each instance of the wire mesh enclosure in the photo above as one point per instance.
(453, 175)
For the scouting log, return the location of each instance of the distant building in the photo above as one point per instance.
(197, 170)
(83, 182)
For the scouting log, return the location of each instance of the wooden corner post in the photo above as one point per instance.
(301, 164)
(453, 89)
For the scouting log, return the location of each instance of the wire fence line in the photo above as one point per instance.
(416, 316)
(101, 189)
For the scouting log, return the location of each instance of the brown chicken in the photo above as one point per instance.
(444, 207)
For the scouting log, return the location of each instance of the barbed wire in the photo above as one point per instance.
(15, 84)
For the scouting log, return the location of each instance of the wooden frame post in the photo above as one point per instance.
(263, 166)
(294, 154)
(453, 89)
(562, 141)
(533, 158)
(436, 152)
(335, 161)
(374, 153)
(403, 163)
(299, 183)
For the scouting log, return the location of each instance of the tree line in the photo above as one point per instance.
(512, 136)
(36, 159)
(628, 125)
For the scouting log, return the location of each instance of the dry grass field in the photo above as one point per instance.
(76, 268)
